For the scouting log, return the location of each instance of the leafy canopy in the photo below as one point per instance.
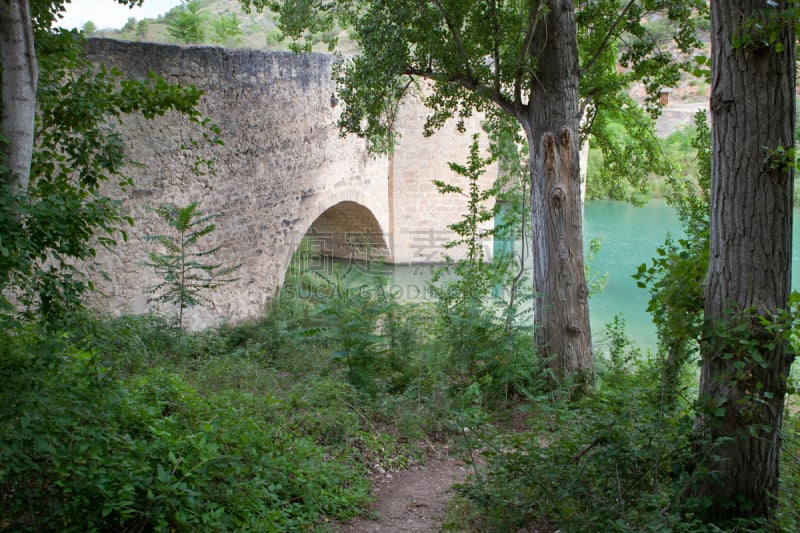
(482, 55)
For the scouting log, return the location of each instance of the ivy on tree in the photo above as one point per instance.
(185, 275)
(745, 350)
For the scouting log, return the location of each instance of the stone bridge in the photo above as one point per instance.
(283, 172)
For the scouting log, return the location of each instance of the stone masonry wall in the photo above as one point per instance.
(282, 165)
(420, 214)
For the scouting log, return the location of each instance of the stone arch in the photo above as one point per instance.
(348, 230)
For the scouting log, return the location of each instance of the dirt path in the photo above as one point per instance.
(412, 500)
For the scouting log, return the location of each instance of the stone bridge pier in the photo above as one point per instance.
(283, 172)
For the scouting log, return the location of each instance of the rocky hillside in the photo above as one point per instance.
(220, 22)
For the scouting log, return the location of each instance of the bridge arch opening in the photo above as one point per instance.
(348, 230)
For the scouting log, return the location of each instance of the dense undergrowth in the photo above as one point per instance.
(123, 425)
(614, 460)
(118, 426)
(129, 424)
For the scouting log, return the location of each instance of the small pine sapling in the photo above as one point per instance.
(184, 274)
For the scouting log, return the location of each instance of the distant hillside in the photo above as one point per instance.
(255, 30)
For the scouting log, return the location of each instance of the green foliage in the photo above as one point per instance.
(186, 24)
(488, 344)
(661, 30)
(142, 28)
(49, 237)
(624, 155)
(348, 311)
(83, 449)
(677, 274)
(181, 266)
(302, 22)
(595, 280)
(273, 37)
(611, 32)
(472, 229)
(226, 29)
(130, 24)
(618, 459)
(655, 164)
(351, 309)
(787, 512)
(615, 52)
(763, 29)
(609, 462)
(89, 28)
(781, 158)
(449, 44)
(741, 348)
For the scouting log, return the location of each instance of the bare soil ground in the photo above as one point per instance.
(411, 500)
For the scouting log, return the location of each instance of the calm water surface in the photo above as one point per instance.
(631, 235)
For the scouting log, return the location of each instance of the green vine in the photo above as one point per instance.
(763, 29)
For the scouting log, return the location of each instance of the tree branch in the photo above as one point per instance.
(496, 46)
(524, 51)
(457, 38)
(490, 94)
(607, 38)
(587, 449)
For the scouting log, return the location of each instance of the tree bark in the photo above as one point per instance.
(551, 124)
(19, 79)
(742, 398)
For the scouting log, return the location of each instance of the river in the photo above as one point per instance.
(630, 236)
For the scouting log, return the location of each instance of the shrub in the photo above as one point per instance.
(484, 334)
(81, 450)
(611, 461)
(184, 269)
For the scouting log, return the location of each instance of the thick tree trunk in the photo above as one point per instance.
(19, 78)
(551, 125)
(743, 378)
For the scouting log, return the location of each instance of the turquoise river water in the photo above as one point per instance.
(630, 236)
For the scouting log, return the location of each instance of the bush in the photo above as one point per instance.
(81, 450)
(662, 30)
(611, 461)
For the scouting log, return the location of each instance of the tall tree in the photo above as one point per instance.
(745, 356)
(517, 58)
(20, 74)
(185, 23)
